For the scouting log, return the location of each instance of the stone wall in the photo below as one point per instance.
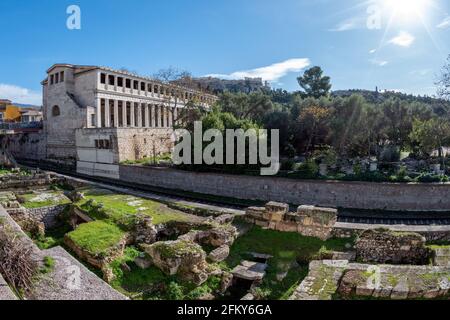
(385, 246)
(388, 196)
(47, 215)
(27, 146)
(308, 220)
(15, 181)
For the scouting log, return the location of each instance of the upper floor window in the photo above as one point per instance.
(111, 80)
(135, 85)
(119, 81)
(103, 78)
(149, 87)
(128, 83)
(56, 77)
(55, 111)
(142, 86)
(52, 79)
(61, 76)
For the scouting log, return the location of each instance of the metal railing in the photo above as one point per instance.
(21, 125)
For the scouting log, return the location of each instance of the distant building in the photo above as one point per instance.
(8, 112)
(30, 115)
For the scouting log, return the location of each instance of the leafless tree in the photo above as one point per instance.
(443, 82)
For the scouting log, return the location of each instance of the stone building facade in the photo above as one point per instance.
(96, 117)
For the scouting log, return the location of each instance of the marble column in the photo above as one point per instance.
(99, 113)
(124, 114)
(107, 114)
(146, 115)
(132, 117)
(116, 112)
(153, 117)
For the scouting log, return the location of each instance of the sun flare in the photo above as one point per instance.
(408, 9)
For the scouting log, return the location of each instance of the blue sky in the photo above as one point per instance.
(403, 49)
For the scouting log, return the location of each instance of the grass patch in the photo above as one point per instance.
(53, 237)
(291, 253)
(96, 237)
(44, 199)
(122, 208)
(48, 265)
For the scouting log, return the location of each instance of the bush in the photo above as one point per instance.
(307, 170)
(429, 178)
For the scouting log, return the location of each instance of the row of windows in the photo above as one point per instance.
(137, 85)
(103, 144)
(57, 77)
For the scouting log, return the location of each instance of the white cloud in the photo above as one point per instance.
(345, 26)
(444, 24)
(373, 51)
(20, 95)
(403, 39)
(269, 73)
(380, 63)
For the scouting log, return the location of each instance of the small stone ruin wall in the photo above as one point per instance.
(388, 247)
(49, 216)
(16, 181)
(308, 220)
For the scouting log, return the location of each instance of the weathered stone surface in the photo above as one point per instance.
(321, 282)
(380, 281)
(5, 291)
(143, 262)
(308, 221)
(219, 254)
(248, 270)
(182, 257)
(441, 256)
(71, 280)
(226, 282)
(383, 246)
(145, 232)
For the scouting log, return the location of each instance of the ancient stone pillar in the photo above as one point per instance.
(146, 115)
(153, 116)
(175, 115)
(99, 112)
(170, 124)
(139, 115)
(107, 114)
(132, 112)
(158, 116)
(124, 114)
(116, 113)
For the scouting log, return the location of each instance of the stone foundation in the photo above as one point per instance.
(308, 220)
(384, 246)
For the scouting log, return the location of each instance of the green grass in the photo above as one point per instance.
(121, 208)
(97, 237)
(286, 249)
(32, 201)
(4, 172)
(48, 265)
(53, 237)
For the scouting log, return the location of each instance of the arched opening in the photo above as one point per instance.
(55, 111)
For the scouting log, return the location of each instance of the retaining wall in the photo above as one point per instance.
(358, 195)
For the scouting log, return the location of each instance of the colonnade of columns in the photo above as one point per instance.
(126, 114)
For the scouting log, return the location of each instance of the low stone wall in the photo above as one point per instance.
(16, 181)
(358, 195)
(431, 233)
(354, 280)
(47, 215)
(384, 246)
(308, 220)
(5, 291)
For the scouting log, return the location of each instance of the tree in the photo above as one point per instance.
(312, 119)
(431, 135)
(314, 83)
(444, 81)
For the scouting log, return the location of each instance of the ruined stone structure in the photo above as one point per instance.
(308, 220)
(385, 246)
